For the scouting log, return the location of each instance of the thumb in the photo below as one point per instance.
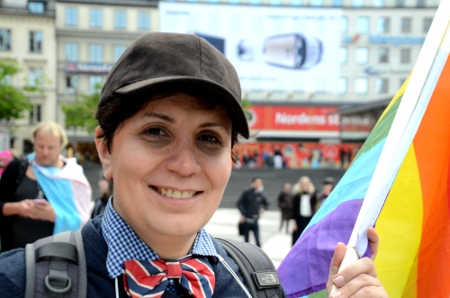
(336, 261)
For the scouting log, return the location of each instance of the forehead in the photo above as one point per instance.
(184, 101)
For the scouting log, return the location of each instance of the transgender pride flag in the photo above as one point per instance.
(402, 175)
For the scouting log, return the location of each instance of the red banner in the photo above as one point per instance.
(294, 118)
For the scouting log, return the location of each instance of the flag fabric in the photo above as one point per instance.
(405, 165)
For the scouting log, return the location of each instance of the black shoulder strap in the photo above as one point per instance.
(256, 268)
(56, 267)
(23, 165)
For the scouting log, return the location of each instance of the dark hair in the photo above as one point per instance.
(254, 178)
(111, 115)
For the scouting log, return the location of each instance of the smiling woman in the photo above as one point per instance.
(169, 115)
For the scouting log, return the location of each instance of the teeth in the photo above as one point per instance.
(175, 194)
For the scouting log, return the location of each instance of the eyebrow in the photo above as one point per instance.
(172, 120)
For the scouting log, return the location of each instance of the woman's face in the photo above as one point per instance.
(170, 164)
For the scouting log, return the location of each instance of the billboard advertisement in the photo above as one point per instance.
(272, 48)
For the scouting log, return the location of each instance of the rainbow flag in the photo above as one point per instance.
(400, 179)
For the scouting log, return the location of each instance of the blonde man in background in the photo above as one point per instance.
(43, 194)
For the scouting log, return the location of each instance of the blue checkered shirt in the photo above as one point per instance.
(124, 244)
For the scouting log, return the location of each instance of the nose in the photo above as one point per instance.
(183, 159)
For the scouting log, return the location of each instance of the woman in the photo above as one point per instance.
(169, 115)
(303, 206)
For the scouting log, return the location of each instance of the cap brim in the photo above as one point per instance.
(228, 99)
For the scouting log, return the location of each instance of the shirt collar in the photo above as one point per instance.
(124, 244)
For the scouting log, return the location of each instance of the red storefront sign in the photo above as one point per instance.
(312, 118)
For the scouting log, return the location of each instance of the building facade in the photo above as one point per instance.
(27, 37)
(377, 44)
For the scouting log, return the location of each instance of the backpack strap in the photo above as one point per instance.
(56, 267)
(256, 268)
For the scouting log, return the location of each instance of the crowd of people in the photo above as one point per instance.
(297, 205)
(174, 102)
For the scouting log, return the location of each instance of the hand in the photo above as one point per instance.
(23, 207)
(359, 279)
(242, 219)
(42, 211)
(261, 211)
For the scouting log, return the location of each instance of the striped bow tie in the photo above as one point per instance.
(151, 278)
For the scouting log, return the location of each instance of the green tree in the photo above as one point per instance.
(12, 100)
(246, 105)
(80, 114)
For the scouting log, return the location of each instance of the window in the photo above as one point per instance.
(232, 1)
(96, 18)
(94, 82)
(362, 24)
(382, 85)
(275, 2)
(426, 24)
(357, 3)
(71, 83)
(5, 39)
(344, 24)
(213, 1)
(399, 3)
(342, 85)
(71, 16)
(384, 24)
(378, 3)
(254, 2)
(316, 2)
(406, 25)
(36, 7)
(295, 2)
(383, 55)
(96, 53)
(343, 54)
(144, 20)
(118, 51)
(405, 55)
(35, 76)
(362, 55)
(337, 2)
(71, 52)
(120, 20)
(35, 114)
(361, 85)
(421, 3)
(36, 41)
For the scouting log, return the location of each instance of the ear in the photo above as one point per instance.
(103, 153)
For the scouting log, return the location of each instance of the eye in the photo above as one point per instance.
(209, 138)
(155, 131)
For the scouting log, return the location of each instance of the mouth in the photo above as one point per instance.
(175, 194)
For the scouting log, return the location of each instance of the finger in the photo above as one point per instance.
(374, 241)
(363, 287)
(336, 261)
(356, 274)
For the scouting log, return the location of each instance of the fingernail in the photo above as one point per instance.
(339, 280)
(336, 295)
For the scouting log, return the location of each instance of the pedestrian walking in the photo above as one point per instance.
(285, 205)
(252, 203)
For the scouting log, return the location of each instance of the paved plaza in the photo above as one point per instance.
(276, 244)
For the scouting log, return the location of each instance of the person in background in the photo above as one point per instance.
(327, 186)
(303, 206)
(252, 203)
(106, 188)
(285, 204)
(5, 158)
(43, 194)
(169, 115)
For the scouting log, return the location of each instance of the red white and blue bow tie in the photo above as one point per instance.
(151, 278)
